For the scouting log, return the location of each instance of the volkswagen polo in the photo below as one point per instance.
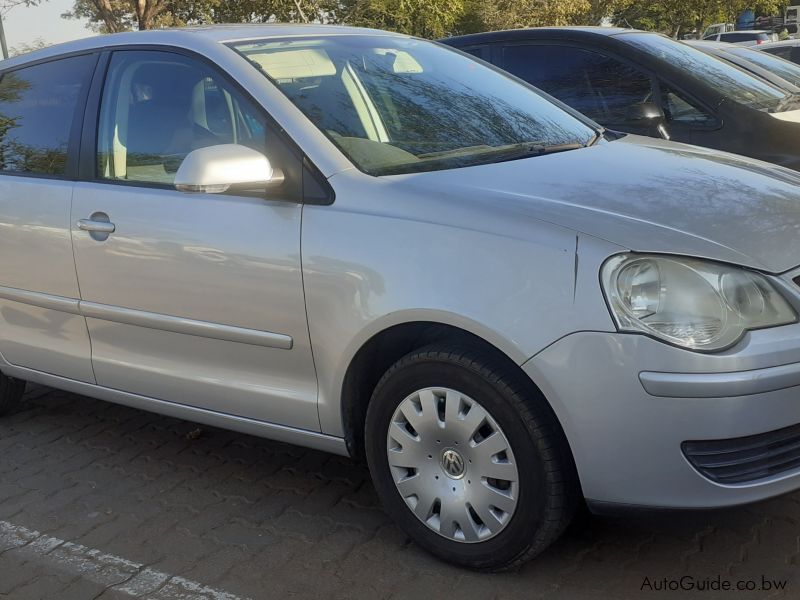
(375, 246)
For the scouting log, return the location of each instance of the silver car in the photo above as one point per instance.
(376, 246)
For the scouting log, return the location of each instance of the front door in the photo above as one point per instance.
(40, 325)
(191, 298)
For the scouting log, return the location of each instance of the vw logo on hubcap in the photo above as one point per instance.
(453, 464)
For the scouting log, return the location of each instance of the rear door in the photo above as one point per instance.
(41, 106)
(190, 298)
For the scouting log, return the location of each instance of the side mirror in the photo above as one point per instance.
(217, 169)
(647, 115)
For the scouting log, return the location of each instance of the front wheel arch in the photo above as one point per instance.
(388, 346)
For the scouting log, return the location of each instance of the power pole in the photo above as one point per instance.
(3, 38)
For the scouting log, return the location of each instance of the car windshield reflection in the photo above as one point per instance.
(398, 105)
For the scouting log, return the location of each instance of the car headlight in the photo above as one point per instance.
(695, 304)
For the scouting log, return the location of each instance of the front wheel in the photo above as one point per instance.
(11, 391)
(468, 464)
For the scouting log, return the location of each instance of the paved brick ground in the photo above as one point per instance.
(232, 516)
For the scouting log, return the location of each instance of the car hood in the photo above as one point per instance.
(647, 195)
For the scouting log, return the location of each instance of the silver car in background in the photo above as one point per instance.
(376, 246)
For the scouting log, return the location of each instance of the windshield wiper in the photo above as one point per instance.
(508, 152)
(553, 148)
(533, 149)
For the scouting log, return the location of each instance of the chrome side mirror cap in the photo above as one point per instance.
(218, 169)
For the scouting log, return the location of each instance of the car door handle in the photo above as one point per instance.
(96, 226)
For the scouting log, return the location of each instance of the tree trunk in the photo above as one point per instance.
(147, 11)
(302, 14)
(107, 15)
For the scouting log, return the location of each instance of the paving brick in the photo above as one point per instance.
(262, 519)
(57, 585)
(16, 572)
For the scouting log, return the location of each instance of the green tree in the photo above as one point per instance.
(426, 18)
(250, 11)
(677, 17)
(483, 15)
(599, 10)
(112, 16)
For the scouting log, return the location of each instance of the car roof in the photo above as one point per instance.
(724, 46)
(710, 44)
(192, 37)
(535, 32)
(767, 31)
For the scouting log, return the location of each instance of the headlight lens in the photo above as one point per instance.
(691, 303)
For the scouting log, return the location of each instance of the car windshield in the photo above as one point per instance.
(774, 64)
(401, 105)
(734, 83)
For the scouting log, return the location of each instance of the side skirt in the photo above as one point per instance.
(280, 433)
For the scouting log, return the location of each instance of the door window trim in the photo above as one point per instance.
(72, 169)
(87, 167)
(715, 122)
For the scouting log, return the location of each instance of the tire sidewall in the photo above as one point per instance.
(519, 533)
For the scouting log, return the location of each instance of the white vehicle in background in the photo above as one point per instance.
(716, 29)
(792, 15)
(754, 37)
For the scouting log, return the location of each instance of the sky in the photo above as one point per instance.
(25, 24)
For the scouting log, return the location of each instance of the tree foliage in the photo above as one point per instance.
(677, 17)
(7, 5)
(111, 16)
(36, 44)
(427, 18)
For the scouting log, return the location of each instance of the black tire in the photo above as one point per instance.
(548, 485)
(11, 391)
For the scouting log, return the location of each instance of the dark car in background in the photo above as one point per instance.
(646, 83)
(777, 71)
(787, 49)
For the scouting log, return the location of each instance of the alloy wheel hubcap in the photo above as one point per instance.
(452, 465)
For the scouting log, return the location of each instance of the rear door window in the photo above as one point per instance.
(600, 86)
(40, 107)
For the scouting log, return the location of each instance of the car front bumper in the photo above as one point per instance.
(628, 403)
